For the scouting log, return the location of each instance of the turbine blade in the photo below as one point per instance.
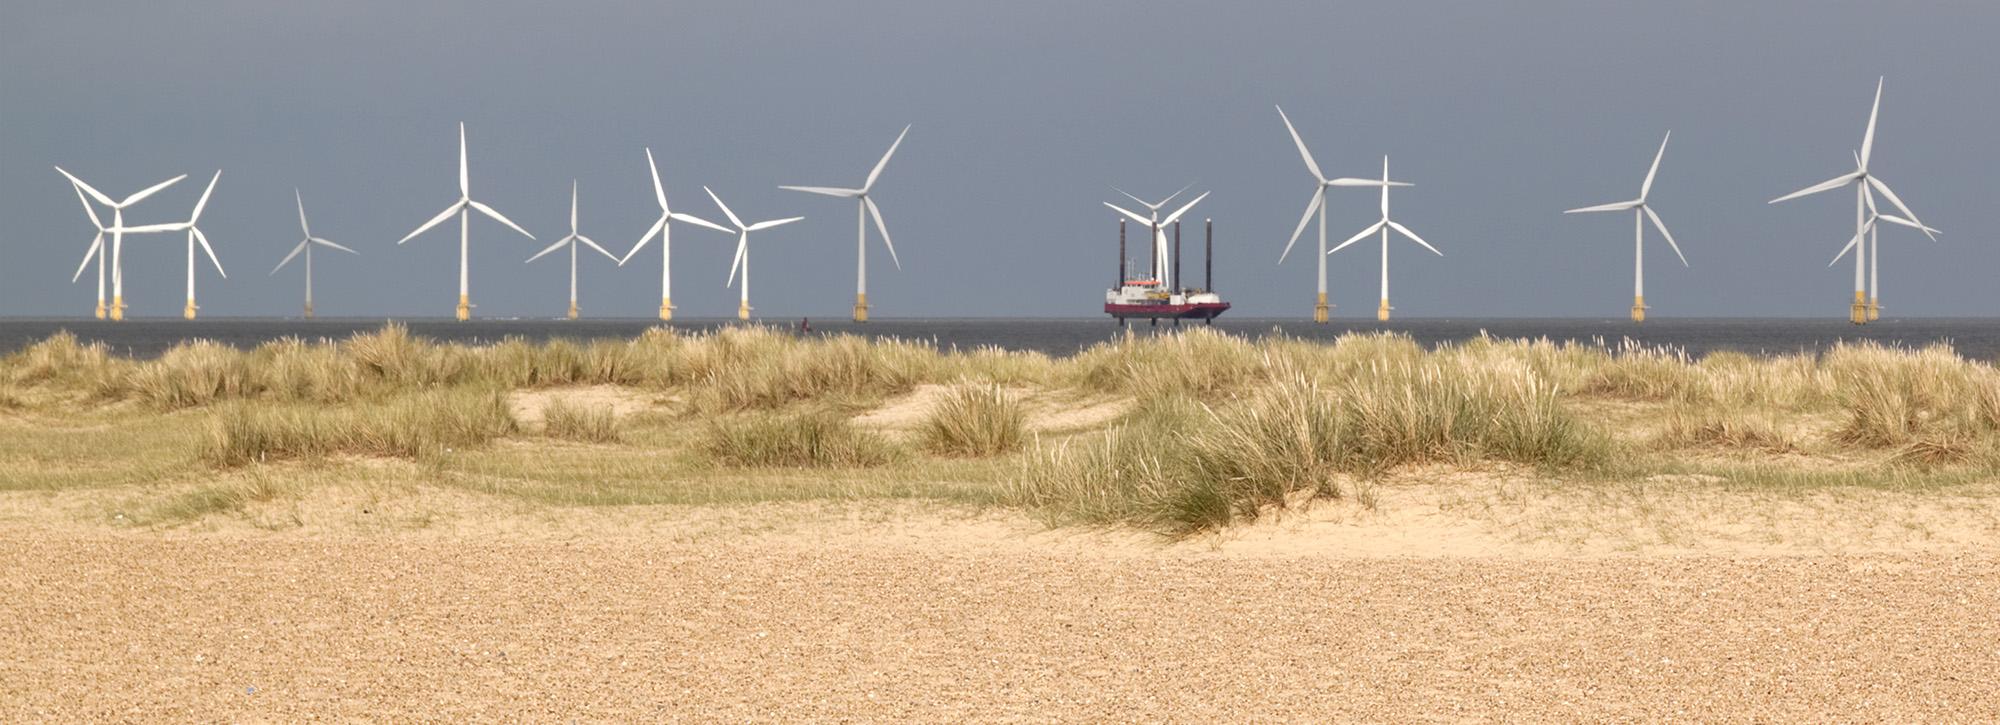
(150, 228)
(1311, 165)
(725, 208)
(588, 242)
(1647, 187)
(1614, 206)
(876, 212)
(643, 240)
(489, 211)
(1852, 243)
(203, 238)
(1363, 234)
(302, 213)
(1883, 186)
(1148, 221)
(199, 205)
(96, 245)
(572, 206)
(742, 244)
(760, 226)
(329, 243)
(1868, 139)
(1351, 181)
(1893, 219)
(551, 248)
(289, 257)
(1141, 202)
(659, 192)
(1662, 226)
(1833, 183)
(1174, 217)
(1405, 231)
(879, 165)
(150, 190)
(1312, 205)
(464, 178)
(1170, 197)
(436, 220)
(87, 208)
(698, 221)
(825, 191)
(94, 193)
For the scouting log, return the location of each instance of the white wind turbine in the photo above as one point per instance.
(1640, 212)
(1383, 226)
(1865, 186)
(1159, 255)
(1162, 261)
(664, 228)
(1318, 204)
(460, 208)
(572, 241)
(193, 235)
(1871, 229)
(117, 229)
(743, 249)
(864, 207)
(305, 247)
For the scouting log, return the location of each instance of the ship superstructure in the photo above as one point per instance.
(1155, 295)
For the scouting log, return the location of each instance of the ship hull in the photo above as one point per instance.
(1184, 311)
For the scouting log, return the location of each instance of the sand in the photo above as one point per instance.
(817, 612)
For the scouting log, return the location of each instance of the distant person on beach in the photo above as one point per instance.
(805, 324)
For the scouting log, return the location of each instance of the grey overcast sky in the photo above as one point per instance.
(1503, 113)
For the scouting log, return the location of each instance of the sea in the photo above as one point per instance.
(1974, 338)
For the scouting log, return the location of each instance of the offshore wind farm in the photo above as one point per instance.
(1106, 448)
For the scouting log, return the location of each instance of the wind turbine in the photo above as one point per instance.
(1640, 212)
(743, 249)
(1159, 238)
(117, 308)
(305, 247)
(1318, 204)
(1162, 265)
(864, 207)
(460, 208)
(1865, 186)
(1383, 226)
(664, 228)
(572, 241)
(193, 235)
(1874, 245)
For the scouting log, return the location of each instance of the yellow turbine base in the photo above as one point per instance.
(118, 308)
(1638, 308)
(1382, 313)
(1320, 309)
(188, 311)
(743, 311)
(1858, 312)
(309, 311)
(1874, 309)
(572, 310)
(100, 309)
(464, 307)
(666, 308)
(860, 307)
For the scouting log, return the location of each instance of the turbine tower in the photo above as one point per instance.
(1865, 186)
(1162, 259)
(1640, 212)
(664, 228)
(1318, 204)
(572, 241)
(461, 208)
(864, 207)
(117, 308)
(305, 247)
(743, 249)
(1383, 226)
(193, 235)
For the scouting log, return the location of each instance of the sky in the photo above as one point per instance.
(1022, 116)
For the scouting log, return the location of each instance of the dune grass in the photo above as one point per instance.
(1221, 429)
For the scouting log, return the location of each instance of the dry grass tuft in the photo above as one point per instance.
(810, 440)
(412, 426)
(974, 420)
(562, 419)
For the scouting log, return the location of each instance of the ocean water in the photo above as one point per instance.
(1977, 338)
